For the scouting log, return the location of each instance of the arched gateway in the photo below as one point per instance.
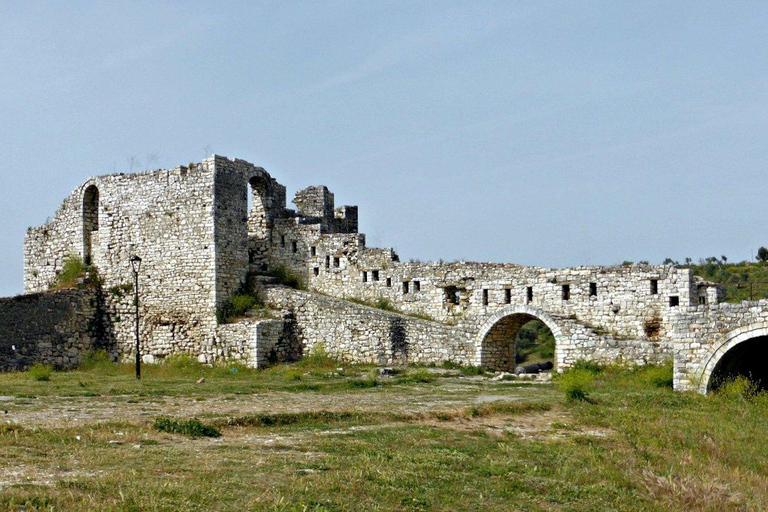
(742, 352)
(496, 338)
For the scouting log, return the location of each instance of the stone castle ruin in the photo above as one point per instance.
(208, 231)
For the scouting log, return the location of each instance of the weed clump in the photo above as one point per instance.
(286, 277)
(660, 376)
(40, 372)
(576, 384)
(420, 376)
(193, 427)
(739, 388)
(96, 360)
(76, 274)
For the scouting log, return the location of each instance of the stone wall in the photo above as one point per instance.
(702, 335)
(258, 343)
(357, 333)
(53, 328)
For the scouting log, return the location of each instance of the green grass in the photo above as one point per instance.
(447, 444)
(743, 281)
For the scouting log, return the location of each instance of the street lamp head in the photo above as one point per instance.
(136, 264)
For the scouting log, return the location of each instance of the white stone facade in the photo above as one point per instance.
(202, 230)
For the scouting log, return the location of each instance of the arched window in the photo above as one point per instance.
(90, 222)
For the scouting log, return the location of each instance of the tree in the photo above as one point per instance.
(762, 254)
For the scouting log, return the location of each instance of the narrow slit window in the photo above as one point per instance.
(417, 286)
(295, 246)
(282, 240)
(485, 297)
(365, 276)
(316, 271)
(654, 286)
(566, 292)
(336, 262)
(674, 301)
(313, 251)
(529, 294)
(389, 282)
(406, 286)
(507, 296)
(327, 262)
(375, 275)
(593, 289)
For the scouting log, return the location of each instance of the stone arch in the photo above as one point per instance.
(493, 340)
(90, 223)
(725, 345)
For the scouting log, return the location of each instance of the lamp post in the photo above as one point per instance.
(136, 266)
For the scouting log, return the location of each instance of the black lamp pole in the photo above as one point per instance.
(136, 265)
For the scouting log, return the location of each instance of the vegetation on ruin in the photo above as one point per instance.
(287, 277)
(301, 437)
(76, 274)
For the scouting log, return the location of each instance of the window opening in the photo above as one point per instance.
(593, 289)
(327, 262)
(485, 297)
(654, 286)
(417, 286)
(295, 246)
(507, 296)
(389, 282)
(316, 270)
(566, 292)
(405, 287)
(365, 276)
(313, 251)
(529, 294)
(336, 261)
(674, 301)
(375, 275)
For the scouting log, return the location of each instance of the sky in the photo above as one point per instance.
(541, 133)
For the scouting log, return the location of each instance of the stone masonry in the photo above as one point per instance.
(204, 230)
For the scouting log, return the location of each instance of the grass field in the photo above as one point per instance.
(313, 437)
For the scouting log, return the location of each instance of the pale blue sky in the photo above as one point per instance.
(540, 133)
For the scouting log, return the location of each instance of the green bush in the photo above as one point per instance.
(73, 271)
(738, 388)
(384, 304)
(96, 360)
(192, 428)
(472, 371)
(576, 383)
(660, 376)
(587, 366)
(286, 277)
(237, 307)
(40, 372)
(182, 362)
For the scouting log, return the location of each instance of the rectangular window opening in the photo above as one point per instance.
(327, 262)
(336, 262)
(485, 297)
(674, 301)
(406, 286)
(282, 240)
(313, 251)
(593, 289)
(529, 294)
(507, 296)
(417, 286)
(375, 275)
(702, 300)
(389, 282)
(316, 271)
(365, 276)
(654, 286)
(566, 292)
(295, 246)
(452, 295)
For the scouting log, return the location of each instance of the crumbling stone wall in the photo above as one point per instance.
(202, 229)
(54, 328)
